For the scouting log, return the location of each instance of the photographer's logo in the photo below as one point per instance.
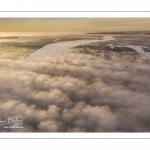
(11, 122)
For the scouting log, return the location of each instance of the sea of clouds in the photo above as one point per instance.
(57, 90)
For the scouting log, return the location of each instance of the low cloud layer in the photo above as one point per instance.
(56, 90)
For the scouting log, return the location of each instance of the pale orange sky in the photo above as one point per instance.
(73, 24)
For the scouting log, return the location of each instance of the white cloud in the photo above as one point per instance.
(58, 90)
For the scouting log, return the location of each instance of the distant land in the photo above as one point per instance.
(121, 32)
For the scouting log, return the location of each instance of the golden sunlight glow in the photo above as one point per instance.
(74, 24)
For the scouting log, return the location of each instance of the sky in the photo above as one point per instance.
(73, 24)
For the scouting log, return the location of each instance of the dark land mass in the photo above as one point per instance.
(118, 51)
(102, 47)
(106, 52)
(34, 43)
(16, 47)
(123, 32)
